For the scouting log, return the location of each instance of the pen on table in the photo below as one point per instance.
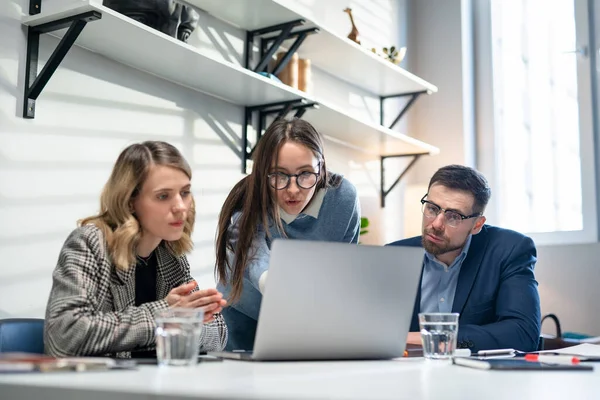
(552, 359)
(496, 352)
(462, 353)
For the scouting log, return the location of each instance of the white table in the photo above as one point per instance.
(410, 378)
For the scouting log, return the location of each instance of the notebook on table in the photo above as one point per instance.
(519, 364)
(26, 362)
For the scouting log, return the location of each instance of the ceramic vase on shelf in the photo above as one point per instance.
(289, 74)
(304, 75)
(296, 73)
(167, 16)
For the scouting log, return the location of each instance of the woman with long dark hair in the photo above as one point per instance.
(289, 194)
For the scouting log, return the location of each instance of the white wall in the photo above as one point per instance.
(436, 47)
(569, 278)
(52, 168)
(439, 48)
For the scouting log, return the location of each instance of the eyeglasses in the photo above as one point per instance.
(452, 218)
(304, 180)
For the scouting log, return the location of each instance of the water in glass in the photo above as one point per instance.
(178, 339)
(439, 339)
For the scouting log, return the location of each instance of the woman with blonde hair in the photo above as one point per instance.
(122, 266)
(289, 194)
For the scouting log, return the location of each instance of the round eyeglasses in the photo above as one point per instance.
(453, 218)
(304, 180)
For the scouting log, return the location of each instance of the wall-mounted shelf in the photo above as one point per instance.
(129, 42)
(327, 50)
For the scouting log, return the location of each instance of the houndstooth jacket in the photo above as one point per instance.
(91, 307)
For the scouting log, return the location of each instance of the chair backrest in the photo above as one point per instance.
(22, 335)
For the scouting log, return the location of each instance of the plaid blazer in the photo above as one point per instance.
(91, 307)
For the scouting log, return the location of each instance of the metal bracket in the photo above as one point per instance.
(35, 7)
(34, 82)
(413, 98)
(282, 109)
(383, 192)
(266, 44)
(269, 45)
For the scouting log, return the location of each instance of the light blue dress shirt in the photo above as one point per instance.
(438, 284)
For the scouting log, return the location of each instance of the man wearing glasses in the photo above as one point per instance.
(483, 272)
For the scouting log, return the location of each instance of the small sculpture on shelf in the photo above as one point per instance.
(167, 16)
(188, 21)
(353, 35)
(392, 54)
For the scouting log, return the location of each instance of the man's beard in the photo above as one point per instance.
(441, 248)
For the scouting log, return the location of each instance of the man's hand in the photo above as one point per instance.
(210, 300)
(414, 338)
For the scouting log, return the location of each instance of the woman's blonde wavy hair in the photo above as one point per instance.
(116, 220)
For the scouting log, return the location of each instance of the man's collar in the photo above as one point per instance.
(311, 210)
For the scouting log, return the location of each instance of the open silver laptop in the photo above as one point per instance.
(335, 301)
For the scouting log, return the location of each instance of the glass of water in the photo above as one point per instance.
(438, 334)
(178, 333)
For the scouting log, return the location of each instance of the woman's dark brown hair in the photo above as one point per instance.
(255, 199)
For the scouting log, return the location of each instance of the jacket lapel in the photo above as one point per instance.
(469, 269)
(167, 268)
(123, 287)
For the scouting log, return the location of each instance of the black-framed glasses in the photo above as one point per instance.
(304, 180)
(453, 218)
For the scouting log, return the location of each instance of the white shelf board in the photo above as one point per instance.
(129, 42)
(327, 50)
(122, 39)
(363, 135)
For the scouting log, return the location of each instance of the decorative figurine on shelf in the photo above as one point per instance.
(188, 21)
(353, 35)
(392, 54)
(167, 16)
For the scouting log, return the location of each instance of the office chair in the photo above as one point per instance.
(22, 335)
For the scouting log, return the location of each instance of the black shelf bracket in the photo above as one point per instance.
(261, 112)
(415, 156)
(34, 82)
(413, 97)
(383, 192)
(266, 44)
(35, 7)
(269, 45)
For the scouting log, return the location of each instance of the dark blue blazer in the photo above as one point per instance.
(496, 294)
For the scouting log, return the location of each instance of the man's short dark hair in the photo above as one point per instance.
(466, 179)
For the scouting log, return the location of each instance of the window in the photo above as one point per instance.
(542, 119)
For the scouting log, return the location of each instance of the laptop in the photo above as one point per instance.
(335, 301)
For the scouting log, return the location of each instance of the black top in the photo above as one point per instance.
(145, 290)
(145, 279)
